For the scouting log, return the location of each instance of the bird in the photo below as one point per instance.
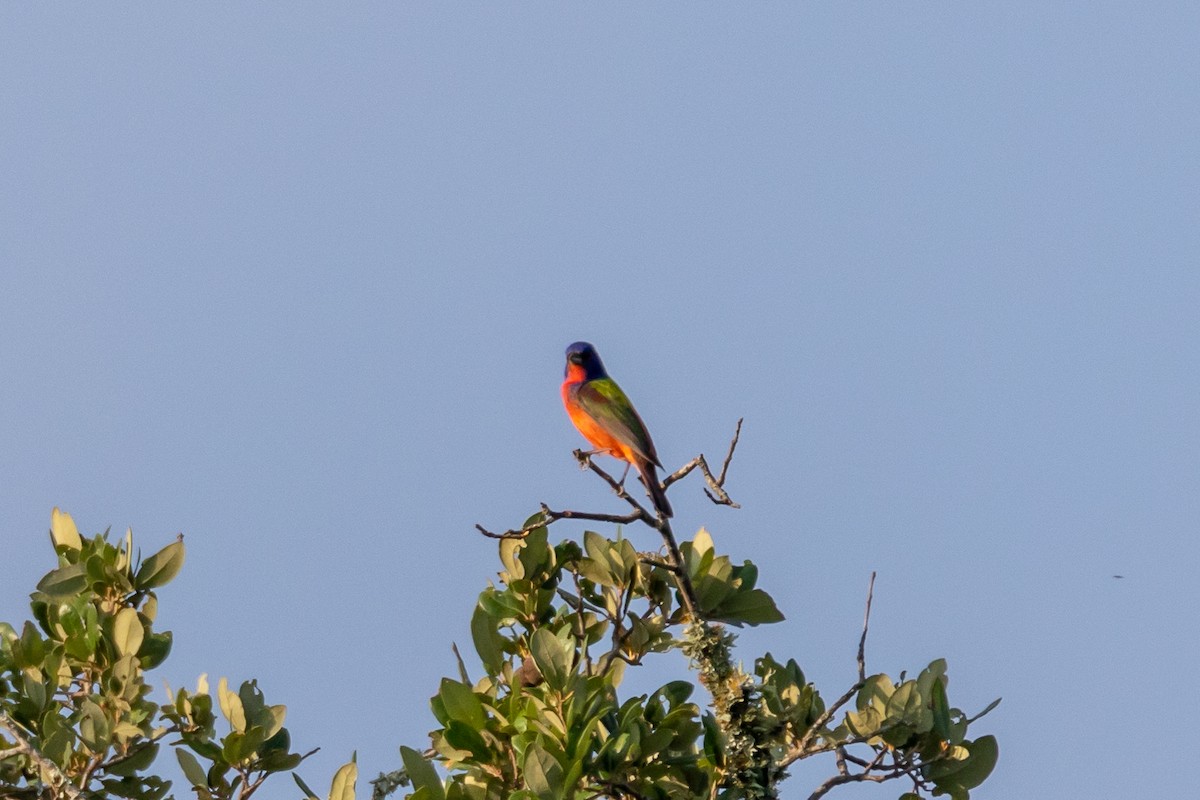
(606, 418)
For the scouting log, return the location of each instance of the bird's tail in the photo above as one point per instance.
(650, 479)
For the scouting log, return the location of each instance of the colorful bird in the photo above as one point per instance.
(606, 418)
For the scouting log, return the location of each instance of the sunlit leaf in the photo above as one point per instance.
(344, 781)
(63, 531)
(127, 633)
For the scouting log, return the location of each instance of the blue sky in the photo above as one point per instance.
(295, 280)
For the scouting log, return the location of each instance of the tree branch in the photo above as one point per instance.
(862, 641)
(716, 486)
(872, 772)
(550, 516)
(58, 780)
(715, 492)
(850, 777)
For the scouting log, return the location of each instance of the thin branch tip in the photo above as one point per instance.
(862, 640)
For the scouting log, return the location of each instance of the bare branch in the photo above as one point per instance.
(862, 642)
(549, 517)
(618, 486)
(639, 513)
(716, 485)
(873, 771)
(803, 748)
(737, 434)
(715, 492)
(686, 591)
(850, 777)
(650, 561)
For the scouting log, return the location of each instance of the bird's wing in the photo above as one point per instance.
(602, 400)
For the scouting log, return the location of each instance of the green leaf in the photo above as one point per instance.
(155, 649)
(984, 754)
(33, 649)
(875, 692)
(127, 632)
(461, 703)
(191, 767)
(63, 531)
(486, 640)
(543, 774)
(551, 657)
(344, 780)
(64, 582)
(58, 738)
(956, 778)
(941, 711)
(309, 794)
(422, 773)
(990, 707)
(934, 672)
(463, 737)
(903, 702)
(160, 568)
(596, 546)
(141, 759)
(714, 741)
(754, 607)
(93, 727)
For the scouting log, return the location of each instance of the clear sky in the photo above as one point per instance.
(295, 280)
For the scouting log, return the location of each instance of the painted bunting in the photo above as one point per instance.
(606, 418)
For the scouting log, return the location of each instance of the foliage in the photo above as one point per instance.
(555, 639)
(546, 720)
(75, 715)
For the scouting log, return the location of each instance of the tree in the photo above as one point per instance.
(546, 720)
(76, 720)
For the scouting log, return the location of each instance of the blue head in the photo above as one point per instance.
(584, 362)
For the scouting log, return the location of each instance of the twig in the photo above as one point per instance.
(716, 485)
(686, 591)
(872, 771)
(650, 561)
(715, 491)
(802, 749)
(582, 621)
(57, 779)
(862, 642)
(663, 525)
(737, 434)
(549, 516)
(853, 777)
